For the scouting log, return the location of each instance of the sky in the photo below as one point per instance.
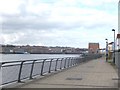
(71, 23)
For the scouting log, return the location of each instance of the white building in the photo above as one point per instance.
(117, 54)
(118, 35)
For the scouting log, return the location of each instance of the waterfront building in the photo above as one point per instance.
(7, 48)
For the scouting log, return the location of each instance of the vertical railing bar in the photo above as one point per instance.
(32, 69)
(61, 63)
(71, 61)
(77, 61)
(42, 67)
(65, 63)
(68, 62)
(56, 64)
(50, 66)
(74, 61)
(1, 65)
(20, 71)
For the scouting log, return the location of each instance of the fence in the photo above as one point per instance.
(17, 71)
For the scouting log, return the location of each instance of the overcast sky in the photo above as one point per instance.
(72, 23)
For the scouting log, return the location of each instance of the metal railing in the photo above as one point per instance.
(28, 69)
(17, 71)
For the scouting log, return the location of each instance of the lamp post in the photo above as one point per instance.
(106, 49)
(114, 46)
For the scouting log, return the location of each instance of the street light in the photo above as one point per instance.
(114, 46)
(106, 49)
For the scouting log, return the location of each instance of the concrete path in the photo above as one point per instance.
(93, 74)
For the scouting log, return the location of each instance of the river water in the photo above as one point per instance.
(18, 57)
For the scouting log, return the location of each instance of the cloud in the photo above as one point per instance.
(11, 38)
(57, 22)
(10, 6)
(87, 18)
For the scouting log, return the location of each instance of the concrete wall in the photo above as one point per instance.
(117, 59)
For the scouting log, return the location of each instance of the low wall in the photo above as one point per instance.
(117, 59)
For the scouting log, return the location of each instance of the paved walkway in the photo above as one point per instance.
(93, 74)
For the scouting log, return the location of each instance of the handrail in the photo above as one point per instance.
(28, 60)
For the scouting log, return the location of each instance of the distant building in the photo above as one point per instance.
(93, 48)
(18, 50)
(7, 48)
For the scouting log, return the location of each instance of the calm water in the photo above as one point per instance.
(18, 57)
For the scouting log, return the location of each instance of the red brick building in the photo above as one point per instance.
(93, 47)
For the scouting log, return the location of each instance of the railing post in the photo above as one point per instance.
(50, 66)
(71, 60)
(61, 63)
(76, 61)
(68, 62)
(56, 64)
(65, 63)
(32, 69)
(0, 65)
(79, 60)
(42, 67)
(19, 75)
